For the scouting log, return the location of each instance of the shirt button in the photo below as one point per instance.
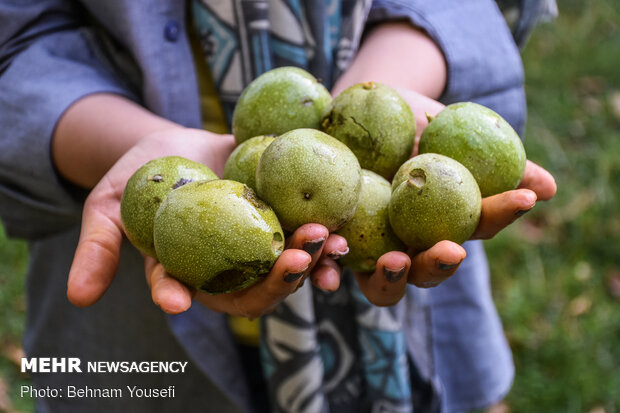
(171, 31)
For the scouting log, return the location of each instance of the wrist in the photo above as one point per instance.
(95, 132)
(209, 148)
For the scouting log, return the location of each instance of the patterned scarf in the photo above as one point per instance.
(334, 352)
(243, 38)
(320, 351)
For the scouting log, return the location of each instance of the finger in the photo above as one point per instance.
(149, 267)
(335, 247)
(96, 257)
(538, 180)
(308, 237)
(311, 239)
(386, 286)
(169, 294)
(287, 272)
(326, 275)
(499, 211)
(433, 266)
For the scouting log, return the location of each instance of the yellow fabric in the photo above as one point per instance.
(246, 331)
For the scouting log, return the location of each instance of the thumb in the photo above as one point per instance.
(97, 254)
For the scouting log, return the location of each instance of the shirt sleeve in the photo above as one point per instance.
(483, 61)
(47, 62)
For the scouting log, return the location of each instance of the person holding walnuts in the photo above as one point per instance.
(93, 90)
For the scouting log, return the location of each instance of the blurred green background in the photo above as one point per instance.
(556, 272)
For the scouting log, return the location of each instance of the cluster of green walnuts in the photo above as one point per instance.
(303, 157)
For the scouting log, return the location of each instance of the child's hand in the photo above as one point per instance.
(386, 286)
(98, 251)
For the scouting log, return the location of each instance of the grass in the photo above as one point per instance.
(553, 271)
(13, 262)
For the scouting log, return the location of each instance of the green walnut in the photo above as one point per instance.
(278, 101)
(146, 190)
(242, 162)
(308, 176)
(369, 234)
(481, 140)
(376, 123)
(435, 198)
(217, 236)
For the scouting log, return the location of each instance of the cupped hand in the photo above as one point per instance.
(429, 268)
(98, 252)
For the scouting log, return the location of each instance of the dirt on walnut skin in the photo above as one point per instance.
(434, 198)
(480, 139)
(217, 236)
(278, 101)
(146, 190)
(242, 162)
(308, 176)
(368, 233)
(376, 123)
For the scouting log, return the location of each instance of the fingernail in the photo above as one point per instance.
(446, 267)
(313, 246)
(336, 255)
(393, 275)
(521, 212)
(294, 276)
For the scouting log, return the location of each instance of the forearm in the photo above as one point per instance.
(96, 131)
(399, 55)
